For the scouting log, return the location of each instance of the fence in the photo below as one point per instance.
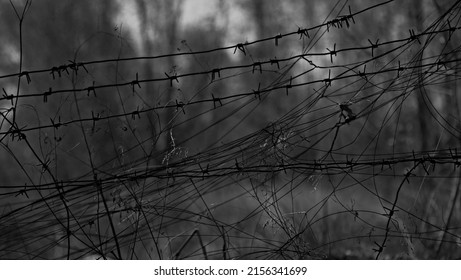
(347, 151)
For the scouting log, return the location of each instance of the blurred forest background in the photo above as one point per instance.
(230, 129)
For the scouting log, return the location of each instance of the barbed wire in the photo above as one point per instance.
(338, 22)
(435, 66)
(140, 199)
(256, 67)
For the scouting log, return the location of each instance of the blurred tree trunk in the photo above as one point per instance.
(159, 22)
(148, 22)
(159, 29)
(452, 103)
(416, 16)
(452, 97)
(265, 15)
(259, 14)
